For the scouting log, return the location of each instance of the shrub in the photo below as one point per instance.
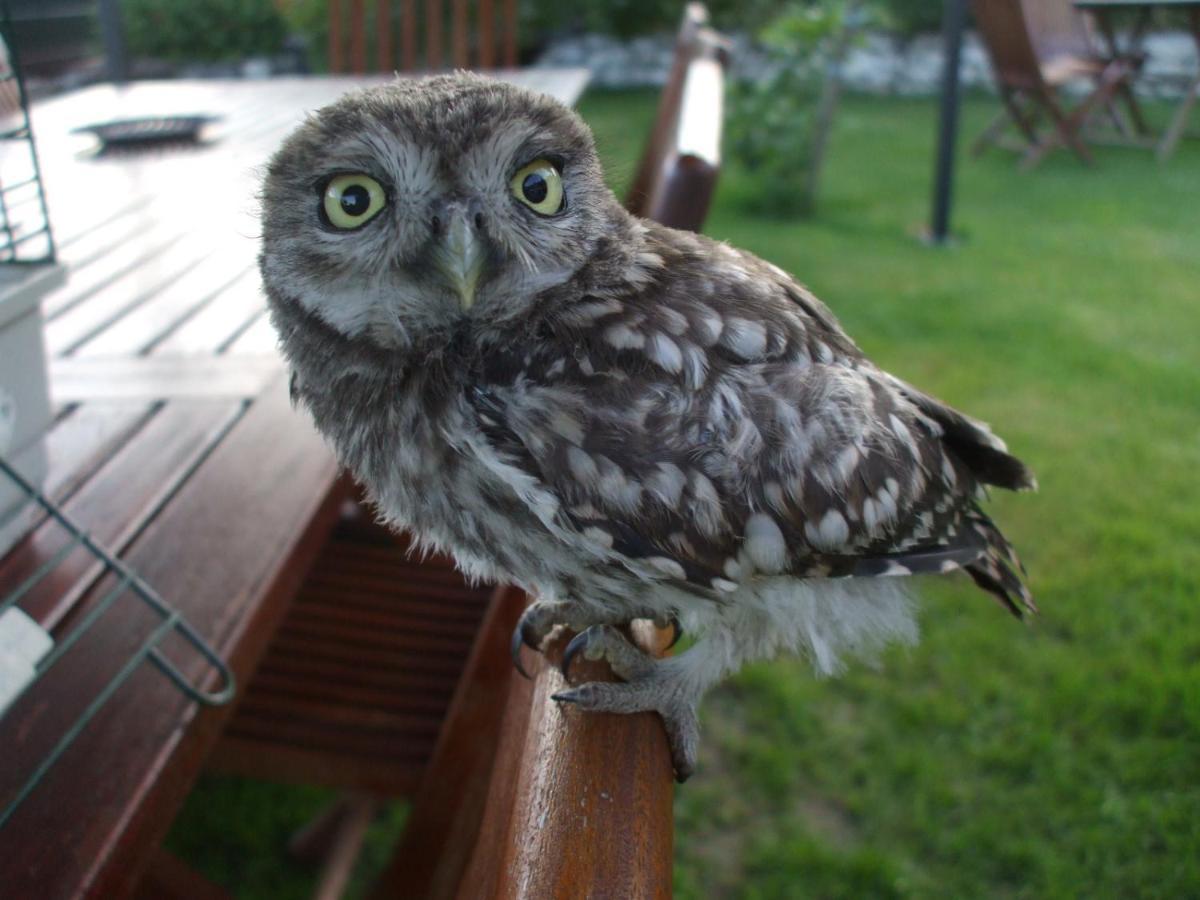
(779, 125)
(202, 30)
(910, 17)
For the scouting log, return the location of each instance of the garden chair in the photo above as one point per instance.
(391, 677)
(1035, 48)
(492, 43)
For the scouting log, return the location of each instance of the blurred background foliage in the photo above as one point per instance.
(187, 30)
(778, 126)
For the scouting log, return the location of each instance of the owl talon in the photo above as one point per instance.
(579, 642)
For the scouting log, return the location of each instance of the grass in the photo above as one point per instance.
(1060, 759)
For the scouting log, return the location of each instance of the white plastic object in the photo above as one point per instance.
(23, 644)
(24, 392)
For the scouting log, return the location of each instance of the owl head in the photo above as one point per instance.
(403, 214)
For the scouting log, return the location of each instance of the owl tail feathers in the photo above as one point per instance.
(973, 442)
(998, 570)
(979, 549)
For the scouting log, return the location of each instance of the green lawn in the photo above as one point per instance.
(1056, 759)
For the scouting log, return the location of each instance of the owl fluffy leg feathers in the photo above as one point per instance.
(650, 685)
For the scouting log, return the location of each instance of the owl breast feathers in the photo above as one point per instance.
(627, 421)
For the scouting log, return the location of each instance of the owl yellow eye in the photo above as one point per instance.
(539, 186)
(353, 200)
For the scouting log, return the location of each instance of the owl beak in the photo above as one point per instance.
(460, 256)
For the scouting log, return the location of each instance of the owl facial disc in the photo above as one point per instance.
(460, 252)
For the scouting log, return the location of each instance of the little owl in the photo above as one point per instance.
(627, 421)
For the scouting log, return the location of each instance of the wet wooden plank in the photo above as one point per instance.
(218, 322)
(75, 379)
(258, 337)
(116, 503)
(155, 274)
(169, 309)
(228, 551)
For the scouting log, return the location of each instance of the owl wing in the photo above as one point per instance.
(711, 441)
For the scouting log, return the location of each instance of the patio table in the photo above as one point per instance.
(1106, 11)
(174, 444)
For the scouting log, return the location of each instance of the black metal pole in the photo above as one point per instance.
(113, 34)
(954, 20)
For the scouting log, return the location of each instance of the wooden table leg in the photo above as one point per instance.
(1179, 123)
(1175, 133)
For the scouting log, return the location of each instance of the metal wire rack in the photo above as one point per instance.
(128, 585)
(24, 223)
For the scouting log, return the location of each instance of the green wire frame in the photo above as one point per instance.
(129, 582)
(20, 227)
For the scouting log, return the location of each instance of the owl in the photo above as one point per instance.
(626, 421)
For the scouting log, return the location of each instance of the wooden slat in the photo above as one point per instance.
(77, 444)
(447, 811)
(144, 327)
(74, 379)
(217, 322)
(487, 35)
(460, 37)
(510, 34)
(104, 307)
(358, 680)
(383, 36)
(433, 34)
(336, 872)
(408, 35)
(358, 37)
(387, 774)
(83, 282)
(257, 338)
(336, 50)
(80, 441)
(249, 531)
(116, 504)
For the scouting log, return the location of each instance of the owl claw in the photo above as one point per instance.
(579, 642)
(647, 687)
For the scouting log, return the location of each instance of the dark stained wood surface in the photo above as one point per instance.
(524, 798)
(485, 40)
(174, 443)
(356, 682)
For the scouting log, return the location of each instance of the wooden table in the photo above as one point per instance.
(1106, 12)
(175, 445)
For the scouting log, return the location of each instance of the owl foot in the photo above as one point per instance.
(649, 686)
(543, 616)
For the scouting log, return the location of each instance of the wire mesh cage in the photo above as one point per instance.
(28, 653)
(25, 235)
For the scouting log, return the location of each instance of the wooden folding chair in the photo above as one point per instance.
(358, 46)
(1035, 50)
(678, 171)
